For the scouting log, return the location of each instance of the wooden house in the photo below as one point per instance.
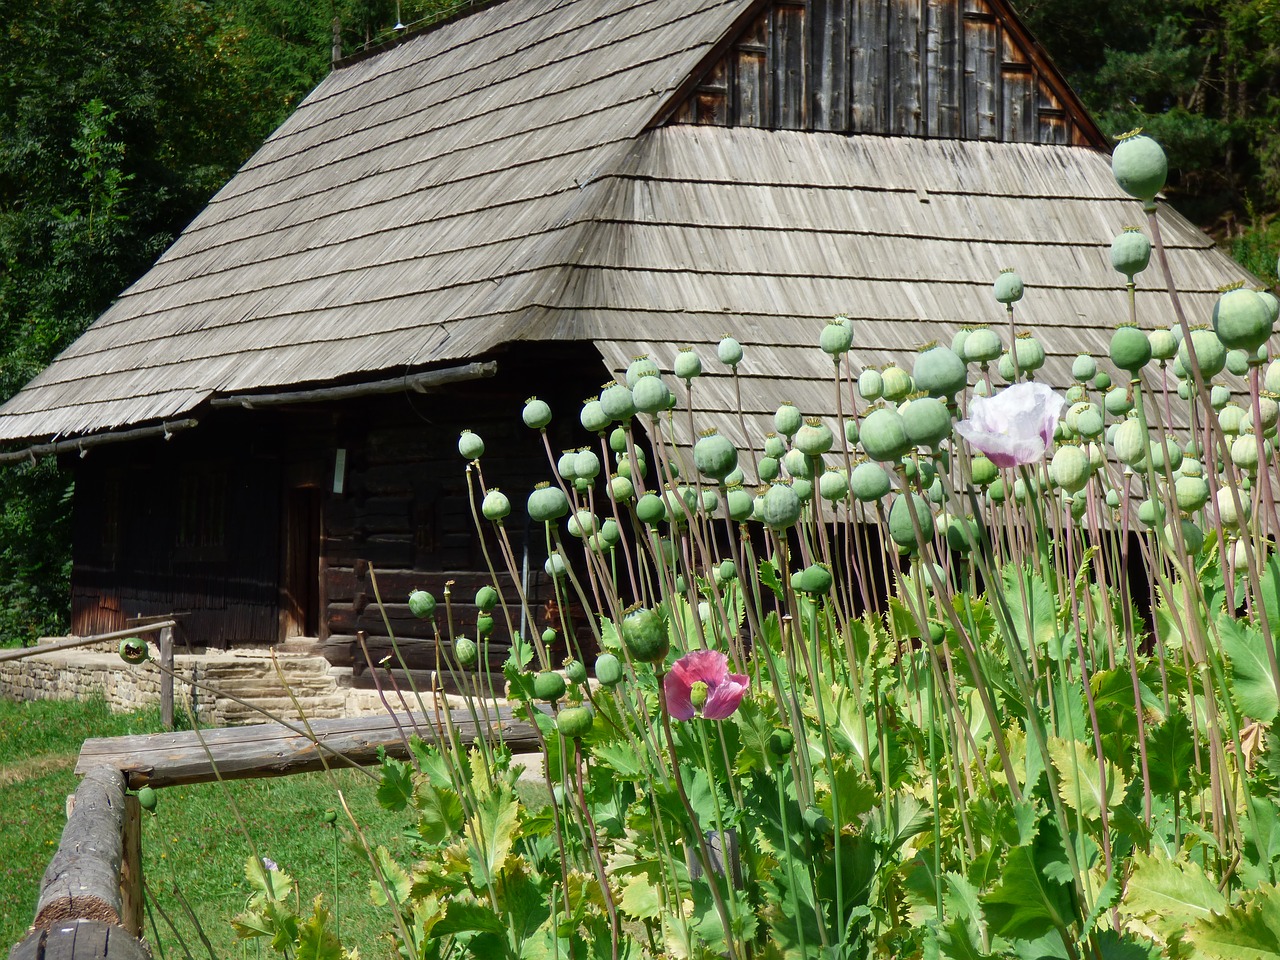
(519, 201)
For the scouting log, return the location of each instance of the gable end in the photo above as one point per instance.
(952, 69)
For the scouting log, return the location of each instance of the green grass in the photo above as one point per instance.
(194, 845)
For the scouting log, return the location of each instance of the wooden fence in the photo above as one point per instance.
(91, 901)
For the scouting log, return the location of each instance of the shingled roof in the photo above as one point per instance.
(512, 175)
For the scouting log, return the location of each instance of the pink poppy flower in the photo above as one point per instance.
(1015, 426)
(700, 682)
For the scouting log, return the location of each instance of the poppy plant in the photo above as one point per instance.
(1014, 427)
(700, 683)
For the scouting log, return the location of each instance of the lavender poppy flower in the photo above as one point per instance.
(700, 682)
(1015, 426)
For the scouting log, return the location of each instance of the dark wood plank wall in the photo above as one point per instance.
(955, 69)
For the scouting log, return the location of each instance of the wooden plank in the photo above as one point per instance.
(751, 110)
(906, 76)
(981, 77)
(278, 749)
(829, 65)
(131, 885)
(944, 69)
(869, 57)
(1018, 119)
(82, 881)
(790, 70)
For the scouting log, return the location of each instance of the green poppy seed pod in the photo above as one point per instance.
(871, 384)
(625, 467)
(567, 465)
(536, 413)
(645, 634)
(1271, 301)
(1070, 468)
(330, 817)
(640, 367)
(896, 383)
(593, 418)
(983, 471)
(957, 341)
(740, 503)
(982, 346)
(1005, 368)
(726, 571)
(1030, 353)
(1072, 417)
(797, 465)
(715, 456)
(1238, 362)
(621, 488)
(1139, 166)
(920, 471)
(1219, 396)
(1112, 498)
(608, 670)
(836, 338)
(618, 440)
(803, 487)
(1191, 493)
(1083, 368)
(774, 447)
(148, 799)
(1269, 411)
(1165, 453)
(780, 507)
(1191, 465)
(1130, 252)
(710, 502)
(1023, 490)
(884, 436)
(1130, 349)
(927, 421)
(787, 419)
(651, 395)
(680, 503)
(576, 671)
(495, 505)
(901, 529)
(1242, 319)
(486, 598)
(1271, 377)
(687, 364)
(470, 445)
(939, 372)
(586, 464)
(1192, 536)
(1230, 418)
(851, 432)
(816, 580)
(1178, 367)
(651, 509)
(729, 351)
(814, 438)
(996, 492)
(1077, 507)
(1150, 513)
(422, 604)
(548, 686)
(1102, 380)
(1226, 505)
(1008, 287)
(1208, 349)
(554, 567)
(547, 503)
(1130, 443)
(466, 651)
(833, 486)
(1089, 423)
(869, 482)
(616, 401)
(134, 650)
(1244, 452)
(582, 524)
(936, 494)
(1164, 345)
(1118, 401)
(767, 469)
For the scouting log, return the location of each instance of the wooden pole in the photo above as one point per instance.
(82, 881)
(131, 902)
(73, 642)
(166, 677)
(80, 940)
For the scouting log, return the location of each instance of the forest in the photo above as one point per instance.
(118, 120)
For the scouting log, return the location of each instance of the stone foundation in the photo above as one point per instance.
(236, 687)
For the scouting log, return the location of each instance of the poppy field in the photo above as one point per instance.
(989, 671)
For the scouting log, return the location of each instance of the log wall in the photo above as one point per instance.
(954, 69)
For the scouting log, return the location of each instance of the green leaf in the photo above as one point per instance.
(271, 884)
(1169, 895)
(467, 916)
(395, 792)
(1270, 584)
(1252, 686)
(440, 815)
(490, 832)
(393, 875)
(315, 940)
(1080, 782)
(1027, 904)
(1031, 608)
(1249, 930)
(641, 899)
(1171, 755)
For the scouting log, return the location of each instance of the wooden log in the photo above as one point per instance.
(277, 749)
(131, 886)
(80, 940)
(82, 881)
(166, 677)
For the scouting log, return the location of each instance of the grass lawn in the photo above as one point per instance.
(194, 849)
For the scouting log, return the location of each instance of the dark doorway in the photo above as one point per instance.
(300, 564)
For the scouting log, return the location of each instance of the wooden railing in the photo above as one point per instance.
(165, 642)
(90, 903)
